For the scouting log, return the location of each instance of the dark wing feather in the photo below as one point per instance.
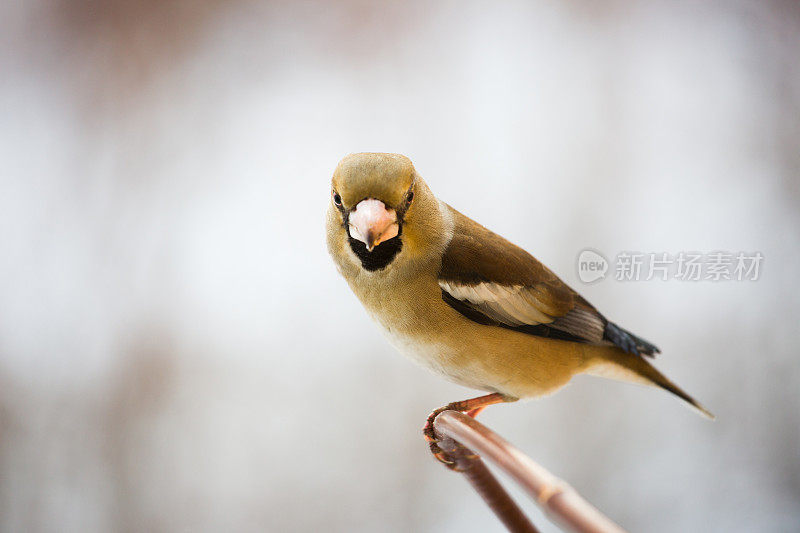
(492, 281)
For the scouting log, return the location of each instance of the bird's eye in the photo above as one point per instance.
(337, 200)
(409, 198)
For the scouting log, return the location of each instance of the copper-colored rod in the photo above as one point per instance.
(487, 486)
(560, 501)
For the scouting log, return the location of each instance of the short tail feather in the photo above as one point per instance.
(680, 393)
(629, 367)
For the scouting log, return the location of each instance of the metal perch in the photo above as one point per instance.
(461, 434)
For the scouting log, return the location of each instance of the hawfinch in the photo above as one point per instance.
(463, 301)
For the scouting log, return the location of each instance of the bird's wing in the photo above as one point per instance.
(492, 281)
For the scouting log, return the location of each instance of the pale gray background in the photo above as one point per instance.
(177, 352)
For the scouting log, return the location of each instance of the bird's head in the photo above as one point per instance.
(380, 209)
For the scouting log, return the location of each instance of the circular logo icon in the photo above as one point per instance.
(592, 266)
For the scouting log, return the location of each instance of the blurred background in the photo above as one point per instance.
(178, 353)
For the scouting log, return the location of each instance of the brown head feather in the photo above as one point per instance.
(385, 177)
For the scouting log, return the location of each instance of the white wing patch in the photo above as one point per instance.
(517, 305)
(514, 305)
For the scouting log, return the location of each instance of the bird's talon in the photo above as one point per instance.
(428, 431)
(442, 456)
(472, 407)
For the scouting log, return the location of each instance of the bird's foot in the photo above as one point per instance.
(433, 441)
(472, 407)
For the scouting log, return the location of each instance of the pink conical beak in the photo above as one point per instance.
(372, 223)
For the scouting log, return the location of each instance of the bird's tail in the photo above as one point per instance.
(616, 364)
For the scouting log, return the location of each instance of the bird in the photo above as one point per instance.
(463, 301)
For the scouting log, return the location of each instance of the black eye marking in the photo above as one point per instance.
(337, 200)
(409, 198)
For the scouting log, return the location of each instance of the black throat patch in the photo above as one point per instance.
(380, 256)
